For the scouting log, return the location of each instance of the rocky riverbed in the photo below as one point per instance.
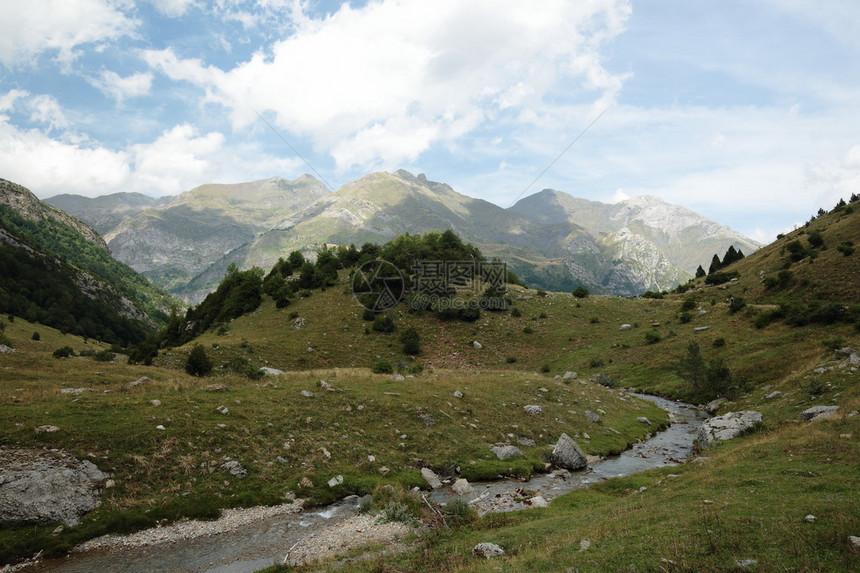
(246, 540)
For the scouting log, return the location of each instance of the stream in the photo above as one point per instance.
(265, 542)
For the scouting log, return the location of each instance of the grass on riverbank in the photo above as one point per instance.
(287, 442)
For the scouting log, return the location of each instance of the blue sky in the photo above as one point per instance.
(744, 111)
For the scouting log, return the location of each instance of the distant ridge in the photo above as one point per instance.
(550, 239)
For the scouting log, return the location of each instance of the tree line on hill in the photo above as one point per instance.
(242, 291)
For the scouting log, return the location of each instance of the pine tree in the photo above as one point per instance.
(198, 363)
(700, 272)
(716, 265)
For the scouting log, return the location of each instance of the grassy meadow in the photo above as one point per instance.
(165, 441)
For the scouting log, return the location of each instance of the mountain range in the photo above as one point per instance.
(550, 239)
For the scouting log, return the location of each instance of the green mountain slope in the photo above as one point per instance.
(173, 243)
(59, 243)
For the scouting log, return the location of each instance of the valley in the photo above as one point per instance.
(344, 409)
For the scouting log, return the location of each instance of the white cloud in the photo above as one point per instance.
(382, 83)
(48, 166)
(852, 158)
(46, 110)
(122, 88)
(176, 160)
(172, 8)
(35, 26)
(7, 101)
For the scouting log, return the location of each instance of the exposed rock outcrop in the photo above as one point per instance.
(43, 487)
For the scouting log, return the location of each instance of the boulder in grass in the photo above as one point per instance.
(568, 455)
(487, 550)
(727, 426)
(506, 452)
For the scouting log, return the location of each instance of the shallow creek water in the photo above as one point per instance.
(265, 542)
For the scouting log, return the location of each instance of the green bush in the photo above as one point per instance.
(411, 342)
(719, 278)
(104, 356)
(652, 337)
(708, 380)
(545, 368)
(516, 312)
(64, 352)
(382, 366)
(36, 336)
(719, 342)
(198, 363)
(596, 362)
(368, 315)
(528, 330)
(685, 317)
(511, 359)
(737, 304)
(383, 323)
(580, 292)
(689, 303)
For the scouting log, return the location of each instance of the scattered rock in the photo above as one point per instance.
(477, 345)
(506, 452)
(427, 419)
(701, 328)
(462, 487)
(772, 395)
(487, 550)
(46, 429)
(235, 468)
(271, 371)
(139, 382)
(714, 405)
(625, 327)
(75, 391)
(538, 501)
(533, 409)
(300, 322)
(216, 388)
(817, 413)
(458, 394)
(155, 403)
(384, 470)
(745, 563)
(644, 420)
(854, 542)
(431, 478)
(7, 349)
(810, 518)
(335, 481)
(726, 427)
(592, 416)
(568, 455)
(109, 484)
(584, 544)
(222, 410)
(569, 376)
(307, 393)
(42, 487)
(160, 427)
(524, 441)
(306, 482)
